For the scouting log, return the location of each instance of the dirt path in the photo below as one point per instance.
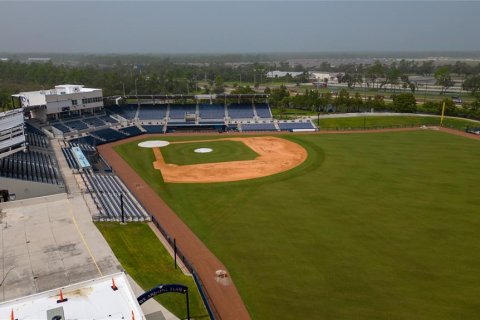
(275, 155)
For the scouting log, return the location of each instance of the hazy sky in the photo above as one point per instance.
(219, 27)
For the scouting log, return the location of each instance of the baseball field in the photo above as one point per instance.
(367, 226)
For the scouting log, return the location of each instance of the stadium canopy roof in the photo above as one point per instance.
(185, 97)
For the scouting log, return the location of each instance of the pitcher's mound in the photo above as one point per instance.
(203, 150)
(153, 144)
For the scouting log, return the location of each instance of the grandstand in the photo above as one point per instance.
(152, 112)
(240, 111)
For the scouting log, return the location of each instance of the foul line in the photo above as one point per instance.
(83, 239)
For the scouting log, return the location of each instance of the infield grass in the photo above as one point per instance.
(149, 264)
(370, 226)
(222, 151)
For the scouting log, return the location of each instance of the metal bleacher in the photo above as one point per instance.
(106, 190)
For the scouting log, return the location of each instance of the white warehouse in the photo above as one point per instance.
(64, 100)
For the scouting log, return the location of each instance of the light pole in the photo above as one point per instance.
(136, 92)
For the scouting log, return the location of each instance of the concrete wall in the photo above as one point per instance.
(29, 189)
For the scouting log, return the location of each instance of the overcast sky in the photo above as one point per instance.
(229, 27)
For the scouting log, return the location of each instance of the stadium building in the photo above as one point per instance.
(62, 101)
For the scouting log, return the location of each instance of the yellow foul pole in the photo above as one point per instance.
(443, 114)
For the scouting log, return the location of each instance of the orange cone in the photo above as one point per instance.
(61, 297)
(12, 316)
(133, 315)
(114, 287)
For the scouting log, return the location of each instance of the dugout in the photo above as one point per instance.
(201, 127)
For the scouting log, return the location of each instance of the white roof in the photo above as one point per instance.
(93, 299)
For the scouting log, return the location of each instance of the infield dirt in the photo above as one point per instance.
(275, 155)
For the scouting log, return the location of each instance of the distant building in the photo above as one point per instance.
(39, 60)
(64, 100)
(4, 59)
(281, 74)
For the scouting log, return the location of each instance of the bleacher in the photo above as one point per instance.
(108, 135)
(132, 131)
(263, 111)
(152, 112)
(240, 111)
(211, 111)
(106, 190)
(32, 166)
(258, 127)
(289, 126)
(72, 163)
(154, 128)
(177, 111)
(76, 125)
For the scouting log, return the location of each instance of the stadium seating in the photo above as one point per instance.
(177, 111)
(154, 128)
(76, 125)
(211, 111)
(89, 140)
(94, 122)
(106, 190)
(36, 137)
(108, 119)
(36, 140)
(258, 127)
(31, 166)
(152, 112)
(127, 111)
(72, 163)
(61, 127)
(263, 111)
(288, 126)
(131, 131)
(240, 111)
(108, 135)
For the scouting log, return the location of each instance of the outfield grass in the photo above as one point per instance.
(392, 121)
(222, 151)
(371, 226)
(149, 264)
